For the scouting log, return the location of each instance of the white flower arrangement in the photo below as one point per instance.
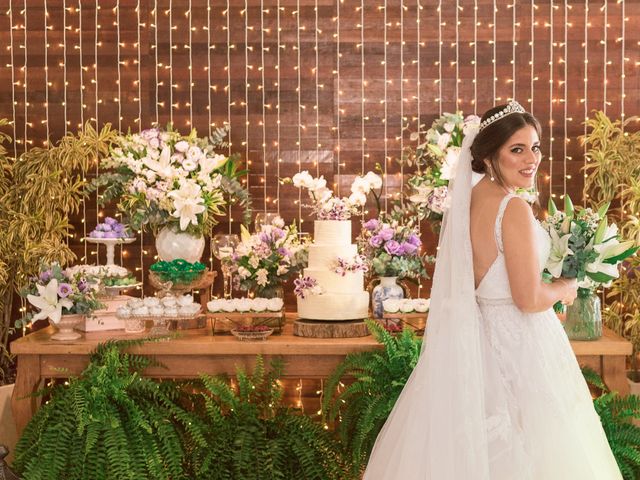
(328, 207)
(162, 178)
(437, 154)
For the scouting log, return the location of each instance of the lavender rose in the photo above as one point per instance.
(386, 233)
(376, 241)
(413, 239)
(372, 224)
(408, 248)
(393, 248)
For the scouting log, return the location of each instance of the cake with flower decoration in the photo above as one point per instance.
(334, 280)
(332, 286)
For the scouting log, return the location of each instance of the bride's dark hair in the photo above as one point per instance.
(491, 138)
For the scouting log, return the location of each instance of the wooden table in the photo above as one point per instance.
(197, 352)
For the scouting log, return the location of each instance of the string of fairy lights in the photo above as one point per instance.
(297, 78)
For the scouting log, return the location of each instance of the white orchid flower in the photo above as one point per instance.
(303, 179)
(358, 199)
(188, 203)
(360, 185)
(375, 181)
(48, 303)
(559, 251)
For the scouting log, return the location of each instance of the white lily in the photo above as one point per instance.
(188, 203)
(162, 166)
(48, 302)
(610, 249)
(559, 251)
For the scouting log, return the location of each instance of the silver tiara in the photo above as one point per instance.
(512, 107)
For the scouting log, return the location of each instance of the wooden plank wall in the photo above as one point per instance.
(323, 85)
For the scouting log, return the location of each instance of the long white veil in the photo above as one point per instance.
(437, 429)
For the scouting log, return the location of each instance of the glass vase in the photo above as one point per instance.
(584, 317)
(387, 288)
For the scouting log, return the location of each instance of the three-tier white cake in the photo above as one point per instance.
(342, 297)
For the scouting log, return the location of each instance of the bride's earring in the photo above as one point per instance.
(491, 174)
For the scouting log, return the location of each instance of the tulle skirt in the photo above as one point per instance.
(539, 414)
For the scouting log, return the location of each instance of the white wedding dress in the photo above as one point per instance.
(540, 422)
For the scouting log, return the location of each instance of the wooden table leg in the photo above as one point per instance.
(28, 380)
(614, 373)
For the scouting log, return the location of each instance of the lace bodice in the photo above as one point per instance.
(495, 283)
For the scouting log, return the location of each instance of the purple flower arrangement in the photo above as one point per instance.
(357, 264)
(111, 228)
(54, 292)
(305, 286)
(392, 247)
(264, 260)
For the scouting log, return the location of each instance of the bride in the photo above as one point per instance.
(497, 393)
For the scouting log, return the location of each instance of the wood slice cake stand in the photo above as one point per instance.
(330, 329)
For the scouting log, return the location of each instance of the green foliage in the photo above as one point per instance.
(616, 415)
(363, 406)
(251, 435)
(613, 176)
(110, 423)
(38, 192)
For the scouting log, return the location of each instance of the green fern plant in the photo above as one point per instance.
(363, 405)
(109, 423)
(616, 415)
(251, 435)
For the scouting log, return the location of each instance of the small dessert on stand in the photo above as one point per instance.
(173, 280)
(259, 263)
(410, 312)
(161, 311)
(112, 279)
(247, 315)
(110, 233)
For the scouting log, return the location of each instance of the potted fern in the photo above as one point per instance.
(612, 172)
(363, 404)
(620, 418)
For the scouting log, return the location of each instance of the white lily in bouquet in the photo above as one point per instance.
(163, 178)
(584, 246)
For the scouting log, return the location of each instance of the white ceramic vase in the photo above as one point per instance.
(172, 245)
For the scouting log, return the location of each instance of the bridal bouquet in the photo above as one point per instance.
(437, 157)
(57, 292)
(392, 247)
(327, 207)
(584, 246)
(263, 261)
(162, 178)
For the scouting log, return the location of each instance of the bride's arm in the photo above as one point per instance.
(529, 292)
